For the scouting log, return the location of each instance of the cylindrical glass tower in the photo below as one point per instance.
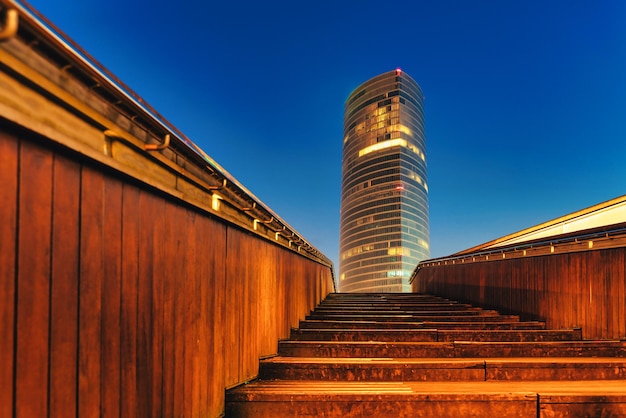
(384, 230)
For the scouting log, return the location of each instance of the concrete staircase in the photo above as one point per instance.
(410, 355)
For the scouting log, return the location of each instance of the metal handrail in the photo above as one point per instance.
(611, 232)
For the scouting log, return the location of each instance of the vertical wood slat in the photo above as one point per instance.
(216, 316)
(145, 302)
(189, 313)
(33, 285)
(8, 245)
(64, 288)
(111, 299)
(91, 288)
(180, 307)
(234, 290)
(205, 271)
(618, 288)
(160, 250)
(169, 272)
(201, 389)
(129, 405)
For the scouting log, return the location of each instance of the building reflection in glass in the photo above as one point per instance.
(384, 230)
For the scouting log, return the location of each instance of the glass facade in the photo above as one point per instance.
(384, 230)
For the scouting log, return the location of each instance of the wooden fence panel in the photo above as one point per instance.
(130, 303)
(577, 289)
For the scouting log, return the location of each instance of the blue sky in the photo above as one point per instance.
(525, 100)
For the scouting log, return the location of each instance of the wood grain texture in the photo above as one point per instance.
(33, 280)
(64, 287)
(8, 246)
(130, 396)
(111, 299)
(130, 302)
(581, 289)
(92, 264)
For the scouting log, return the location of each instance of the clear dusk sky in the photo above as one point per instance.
(525, 100)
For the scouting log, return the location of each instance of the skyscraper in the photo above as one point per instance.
(384, 230)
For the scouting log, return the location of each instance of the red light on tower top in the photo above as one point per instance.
(398, 71)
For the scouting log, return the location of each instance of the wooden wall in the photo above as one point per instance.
(118, 301)
(577, 289)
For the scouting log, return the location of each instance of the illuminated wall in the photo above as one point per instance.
(384, 193)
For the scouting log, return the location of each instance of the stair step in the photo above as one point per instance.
(535, 335)
(415, 318)
(485, 325)
(367, 369)
(447, 399)
(415, 335)
(364, 335)
(438, 369)
(452, 349)
(397, 307)
(556, 369)
(403, 312)
(382, 296)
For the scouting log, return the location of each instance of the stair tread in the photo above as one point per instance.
(415, 319)
(603, 343)
(432, 334)
(544, 388)
(454, 325)
(444, 360)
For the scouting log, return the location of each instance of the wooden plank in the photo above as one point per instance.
(217, 289)
(90, 303)
(180, 309)
(610, 283)
(190, 313)
(204, 337)
(64, 288)
(111, 300)
(129, 407)
(268, 309)
(161, 253)
(144, 303)
(8, 245)
(170, 275)
(618, 291)
(33, 283)
(249, 342)
(557, 298)
(234, 303)
(280, 298)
